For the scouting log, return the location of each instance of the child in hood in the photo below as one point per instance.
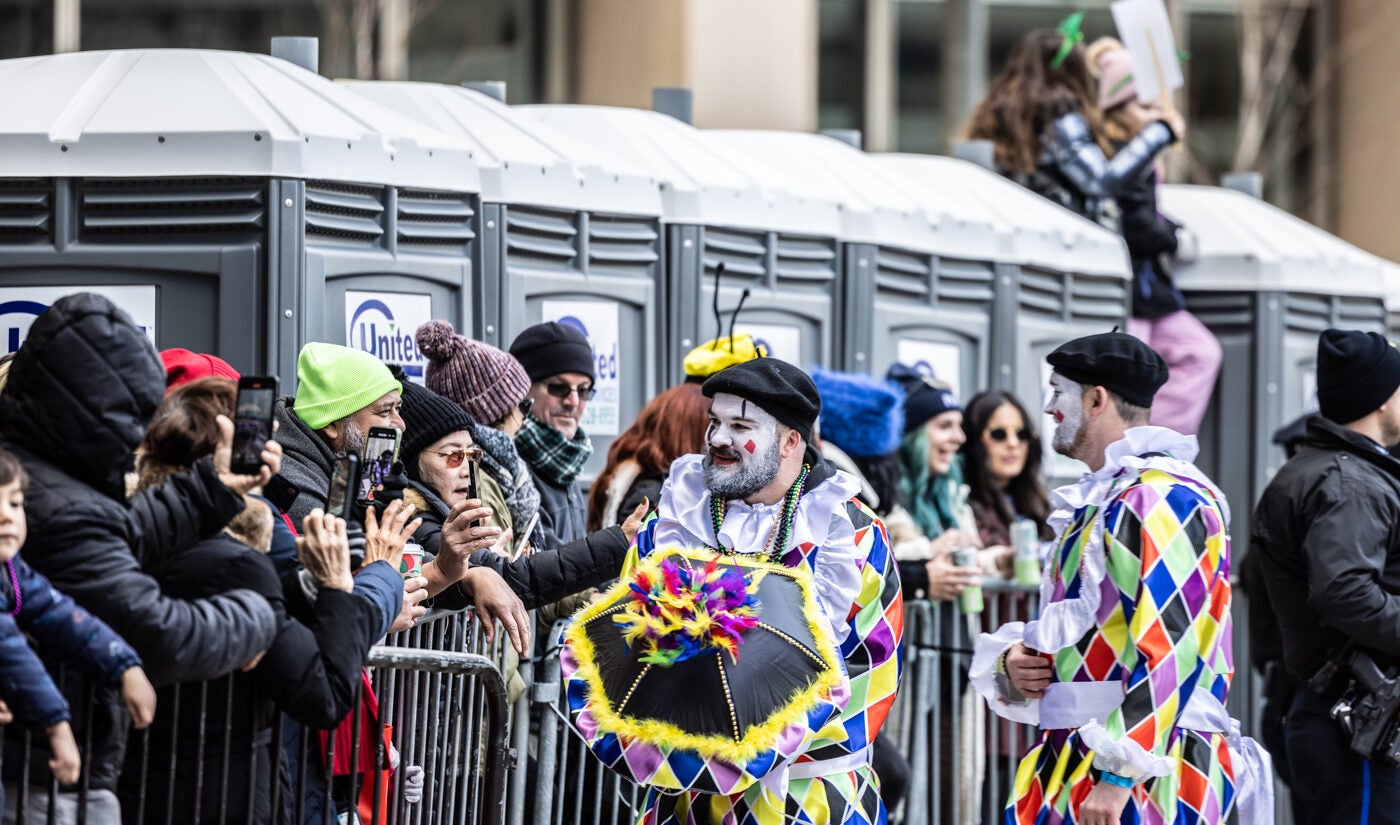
(30, 604)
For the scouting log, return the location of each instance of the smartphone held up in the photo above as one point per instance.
(252, 423)
(381, 452)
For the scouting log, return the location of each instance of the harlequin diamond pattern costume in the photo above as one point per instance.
(1136, 611)
(824, 773)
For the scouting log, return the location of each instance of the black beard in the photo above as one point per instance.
(751, 476)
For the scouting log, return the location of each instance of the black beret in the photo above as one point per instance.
(552, 348)
(1116, 361)
(777, 387)
(1357, 372)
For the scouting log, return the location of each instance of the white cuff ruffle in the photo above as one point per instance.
(982, 674)
(1124, 757)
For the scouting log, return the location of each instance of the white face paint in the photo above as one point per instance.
(1066, 404)
(742, 448)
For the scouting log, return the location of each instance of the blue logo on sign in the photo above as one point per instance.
(32, 309)
(374, 330)
(604, 364)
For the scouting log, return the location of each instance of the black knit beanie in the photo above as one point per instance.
(1357, 372)
(924, 397)
(427, 417)
(552, 348)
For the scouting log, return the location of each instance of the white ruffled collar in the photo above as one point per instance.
(685, 508)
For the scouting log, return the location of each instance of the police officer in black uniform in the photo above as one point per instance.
(1328, 533)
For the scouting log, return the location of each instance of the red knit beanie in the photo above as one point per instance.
(483, 380)
(183, 366)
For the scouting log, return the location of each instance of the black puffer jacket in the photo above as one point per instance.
(1328, 531)
(80, 394)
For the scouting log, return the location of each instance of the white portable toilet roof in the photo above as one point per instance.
(873, 209)
(520, 161)
(188, 112)
(1247, 244)
(1391, 274)
(1036, 231)
(702, 181)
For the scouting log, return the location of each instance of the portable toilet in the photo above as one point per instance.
(779, 245)
(1392, 297)
(231, 203)
(919, 287)
(563, 241)
(1059, 276)
(1267, 284)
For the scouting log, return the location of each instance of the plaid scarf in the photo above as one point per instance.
(554, 457)
(500, 460)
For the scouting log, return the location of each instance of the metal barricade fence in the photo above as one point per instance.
(962, 759)
(217, 755)
(442, 698)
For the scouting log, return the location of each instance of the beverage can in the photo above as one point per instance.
(970, 600)
(1025, 539)
(412, 563)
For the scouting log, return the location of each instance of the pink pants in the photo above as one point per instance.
(1193, 356)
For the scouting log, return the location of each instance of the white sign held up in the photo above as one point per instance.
(1146, 32)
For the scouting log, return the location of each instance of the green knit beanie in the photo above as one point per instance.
(335, 381)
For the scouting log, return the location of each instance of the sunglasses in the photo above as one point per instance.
(456, 457)
(525, 406)
(1000, 434)
(561, 391)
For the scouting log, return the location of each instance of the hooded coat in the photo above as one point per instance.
(81, 391)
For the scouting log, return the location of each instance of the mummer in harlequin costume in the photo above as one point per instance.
(762, 502)
(1127, 669)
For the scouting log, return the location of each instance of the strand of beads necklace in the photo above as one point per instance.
(782, 529)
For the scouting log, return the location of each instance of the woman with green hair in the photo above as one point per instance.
(931, 525)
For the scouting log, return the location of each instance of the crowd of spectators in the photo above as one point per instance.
(141, 563)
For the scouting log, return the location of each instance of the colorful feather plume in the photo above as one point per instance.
(678, 611)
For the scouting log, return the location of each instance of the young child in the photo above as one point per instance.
(29, 604)
(1155, 244)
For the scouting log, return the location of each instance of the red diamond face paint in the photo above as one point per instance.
(750, 446)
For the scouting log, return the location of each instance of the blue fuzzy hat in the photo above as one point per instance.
(862, 415)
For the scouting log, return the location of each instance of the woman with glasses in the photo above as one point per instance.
(1001, 466)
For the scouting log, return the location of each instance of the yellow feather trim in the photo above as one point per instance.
(759, 738)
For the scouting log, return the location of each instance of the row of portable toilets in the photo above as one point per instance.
(243, 205)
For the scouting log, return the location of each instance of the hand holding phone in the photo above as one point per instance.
(473, 482)
(252, 423)
(345, 485)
